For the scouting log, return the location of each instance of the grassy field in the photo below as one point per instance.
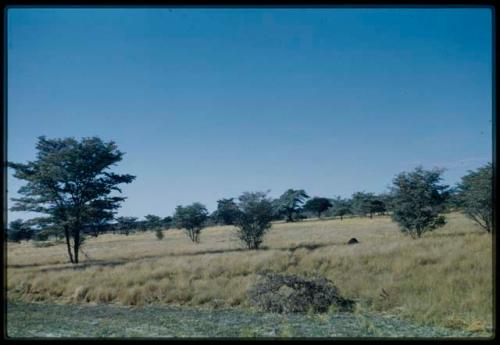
(442, 279)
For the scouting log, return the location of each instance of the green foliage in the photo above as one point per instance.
(166, 222)
(227, 211)
(290, 202)
(41, 235)
(254, 218)
(192, 218)
(70, 184)
(126, 224)
(475, 195)
(152, 222)
(317, 205)
(367, 203)
(417, 201)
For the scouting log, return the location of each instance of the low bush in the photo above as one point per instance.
(290, 293)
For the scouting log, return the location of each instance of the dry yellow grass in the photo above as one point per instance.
(444, 278)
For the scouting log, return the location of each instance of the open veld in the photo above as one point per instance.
(443, 279)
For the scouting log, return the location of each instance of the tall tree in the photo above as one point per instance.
(418, 198)
(475, 194)
(254, 218)
(68, 182)
(192, 219)
(290, 202)
(317, 205)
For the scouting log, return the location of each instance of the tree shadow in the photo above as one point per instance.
(113, 263)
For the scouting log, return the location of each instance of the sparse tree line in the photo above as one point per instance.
(70, 183)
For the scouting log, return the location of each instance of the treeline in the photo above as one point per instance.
(71, 185)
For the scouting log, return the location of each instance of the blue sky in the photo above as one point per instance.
(209, 103)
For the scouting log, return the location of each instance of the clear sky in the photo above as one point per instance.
(209, 103)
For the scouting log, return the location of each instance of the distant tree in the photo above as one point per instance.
(453, 202)
(318, 205)
(99, 220)
(125, 225)
(68, 181)
(475, 193)
(254, 218)
(226, 212)
(417, 201)
(341, 207)
(192, 219)
(40, 235)
(377, 206)
(289, 203)
(19, 230)
(385, 199)
(152, 222)
(362, 203)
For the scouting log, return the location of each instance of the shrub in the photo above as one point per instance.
(159, 234)
(290, 293)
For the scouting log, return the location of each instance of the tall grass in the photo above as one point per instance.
(444, 278)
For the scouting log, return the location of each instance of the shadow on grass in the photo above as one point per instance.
(113, 263)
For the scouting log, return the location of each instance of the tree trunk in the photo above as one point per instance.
(341, 218)
(76, 245)
(289, 217)
(68, 244)
(319, 214)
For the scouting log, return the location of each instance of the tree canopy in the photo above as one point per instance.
(289, 203)
(418, 198)
(254, 218)
(317, 205)
(475, 193)
(227, 211)
(192, 219)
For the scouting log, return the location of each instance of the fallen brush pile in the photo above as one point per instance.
(293, 294)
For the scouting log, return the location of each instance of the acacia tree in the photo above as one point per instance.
(290, 202)
(475, 196)
(254, 218)
(317, 205)
(192, 218)
(417, 201)
(69, 182)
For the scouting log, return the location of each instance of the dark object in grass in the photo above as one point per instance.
(352, 241)
(289, 293)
